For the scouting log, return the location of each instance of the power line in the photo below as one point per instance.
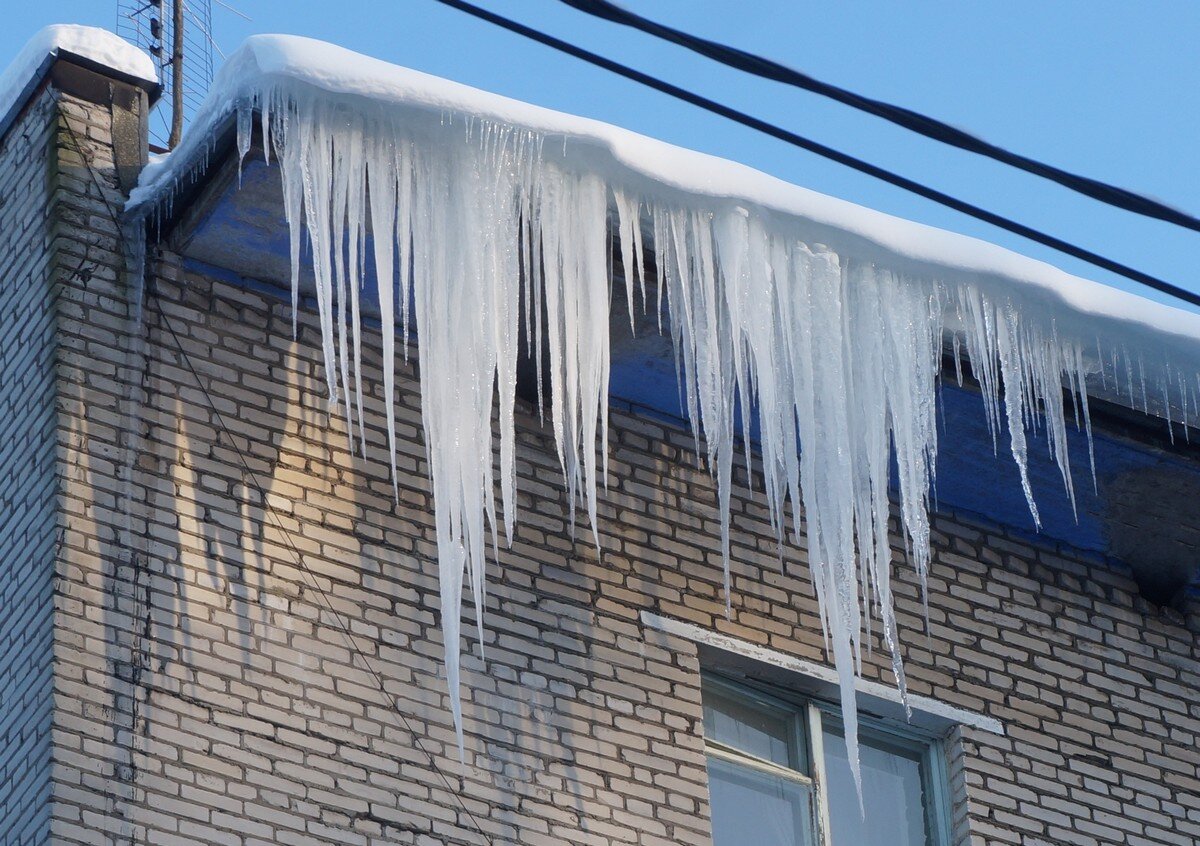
(917, 122)
(830, 153)
(269, 509)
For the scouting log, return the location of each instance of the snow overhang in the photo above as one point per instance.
(85, 47)
(224, 210)
(249, 220)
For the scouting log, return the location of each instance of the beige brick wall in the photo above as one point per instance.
(99, 653)
(65, 532)
(205, 690)
(27, 477)
(258, 726)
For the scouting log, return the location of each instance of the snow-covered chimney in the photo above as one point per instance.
(96, 66)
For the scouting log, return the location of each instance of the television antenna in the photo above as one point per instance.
(178, 35)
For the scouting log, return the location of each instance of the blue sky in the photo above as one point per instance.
(1108, 89)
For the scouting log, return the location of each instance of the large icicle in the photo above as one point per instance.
(486, 226)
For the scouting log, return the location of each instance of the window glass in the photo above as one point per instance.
(892, 793)
(753, 806)
(766, 788)
(752, 727)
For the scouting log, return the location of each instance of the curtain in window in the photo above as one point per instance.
(891, 790)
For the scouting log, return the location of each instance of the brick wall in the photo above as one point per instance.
(99, 654)
(205, 690)
(66, 531)
(259, 726)
(27, 478)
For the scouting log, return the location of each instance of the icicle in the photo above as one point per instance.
(244, 116)
(628, 223)
(133, 238)
(382, 191)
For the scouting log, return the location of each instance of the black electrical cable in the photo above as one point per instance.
(830, 153)
(925, 125)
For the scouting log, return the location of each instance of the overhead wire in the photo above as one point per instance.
(922, 124)
(830, 153)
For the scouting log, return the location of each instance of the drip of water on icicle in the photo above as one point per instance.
(133, 239)
(839, 354)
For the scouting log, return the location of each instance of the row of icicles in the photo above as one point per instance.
(771, 333)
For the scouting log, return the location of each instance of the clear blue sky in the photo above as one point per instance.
(1108, 89)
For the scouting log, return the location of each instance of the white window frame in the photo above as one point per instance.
(809, 722)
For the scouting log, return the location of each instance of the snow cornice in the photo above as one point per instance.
(362, 82)
(89, 47)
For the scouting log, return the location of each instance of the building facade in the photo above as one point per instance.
(219, 627)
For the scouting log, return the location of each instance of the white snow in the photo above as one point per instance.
(97, 45)
(829, 318)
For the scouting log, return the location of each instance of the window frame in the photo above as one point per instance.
(810, 718)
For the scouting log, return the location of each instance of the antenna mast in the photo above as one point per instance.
(178, 34)
(176, 74)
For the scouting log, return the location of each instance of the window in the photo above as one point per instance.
(779, 775)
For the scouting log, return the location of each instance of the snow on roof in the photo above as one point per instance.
(914, 247)
(88, 42)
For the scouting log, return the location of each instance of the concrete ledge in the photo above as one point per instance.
(873, 698)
